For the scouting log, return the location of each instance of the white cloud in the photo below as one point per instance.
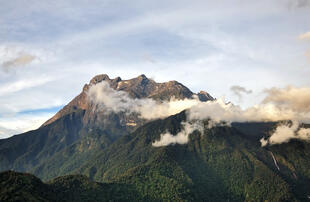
(181, 137)
(289, 103)
(297, 99)
(283, 133)
(225, 113)
(286, 132)
(304, 134)
(23, 84)
(119, 101)
(219, 111)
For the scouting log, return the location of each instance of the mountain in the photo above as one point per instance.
(84, 154)
(79, 129)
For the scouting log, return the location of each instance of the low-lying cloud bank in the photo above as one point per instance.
(289, 103)
(285, 132)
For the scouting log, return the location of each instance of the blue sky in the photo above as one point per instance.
(49, 50)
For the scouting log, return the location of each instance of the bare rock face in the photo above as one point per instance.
(139, 87)
(204, 96)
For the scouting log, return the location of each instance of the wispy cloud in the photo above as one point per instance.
(21, 60)
(297, 99)
(181, 137)
(23, 84)
(239, 90)
(13, 57)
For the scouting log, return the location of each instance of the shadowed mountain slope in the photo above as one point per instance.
(220, 165)
(16, 186)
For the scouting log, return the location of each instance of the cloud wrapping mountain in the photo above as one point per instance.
(289, 103)
(119, 101)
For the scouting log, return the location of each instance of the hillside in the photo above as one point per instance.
(16, 186)
(223, 164)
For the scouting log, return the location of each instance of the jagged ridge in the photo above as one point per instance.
(139, 87)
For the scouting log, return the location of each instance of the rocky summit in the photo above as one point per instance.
(139, 87)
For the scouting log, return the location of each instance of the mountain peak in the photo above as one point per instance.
(139, 87)
(117, 79)
(99, 78)
(204, 96)
(142, 76)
